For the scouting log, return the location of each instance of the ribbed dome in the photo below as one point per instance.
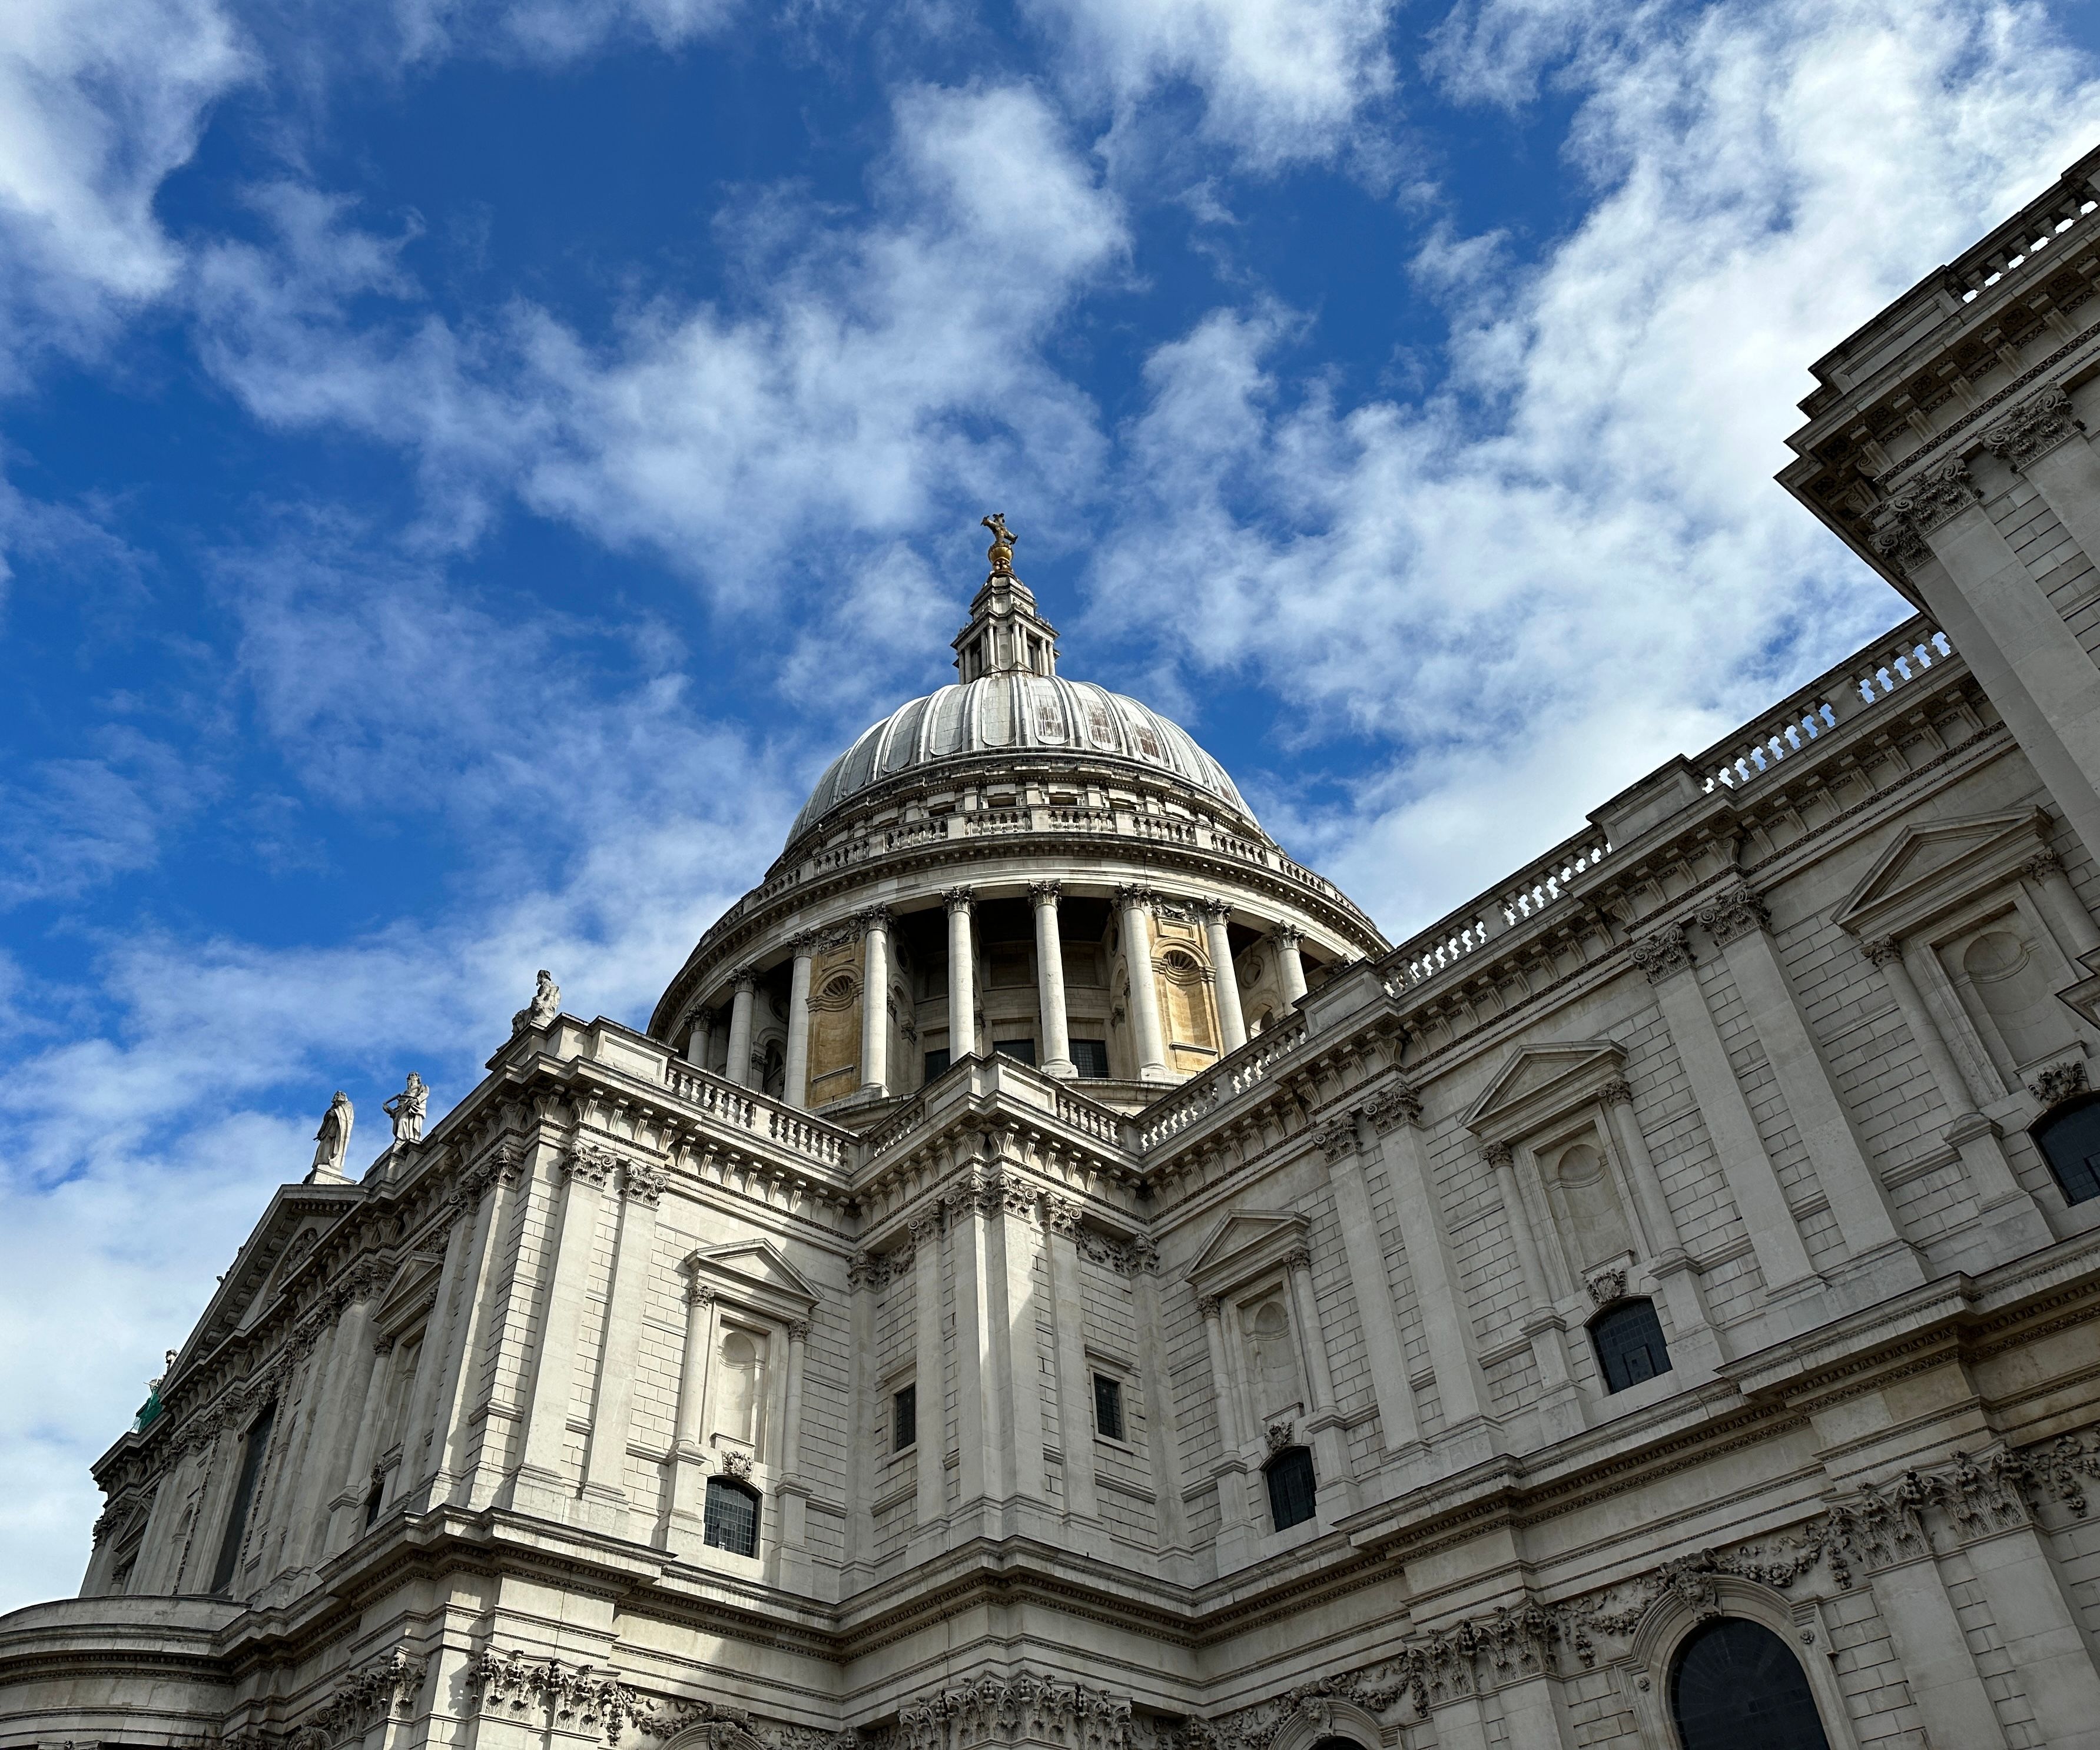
(1013, 711)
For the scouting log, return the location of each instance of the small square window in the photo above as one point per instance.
(904, 1418)
(1020, 1051)
(1108, 1407)
(1090, 1057)
(936, 1064)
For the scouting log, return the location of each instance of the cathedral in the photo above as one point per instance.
(1052, 1274)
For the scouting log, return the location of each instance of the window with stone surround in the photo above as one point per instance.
(1628, 1338)
(731, 1522)
(1090, 1058)
(903, 1418)
(2068, 1137)
(1108, 1407)
(257, 1444)
(1736, 1686)
(1292, 1490)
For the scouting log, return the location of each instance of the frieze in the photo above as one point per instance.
(378, 1691)
(994, 1711)
(519, 1684)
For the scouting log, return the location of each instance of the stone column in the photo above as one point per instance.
(737, 1067)
(1050, 981)
(2040, 1634)
(539, 1486)
(2002, 1201)
(1865, 1210)
(1461, 1388)
(1541, 1323)
(1323, 1427)
(2029, 662)
(2069, 920)
(454, 1429)
(1369, 1287)
(1289, 965)
(1134, 909)
(1231, 1468)
(1933, 1651)
(1697, 1340)
(350, 1368)
(962, 976)
(1760, 1199)
(1075, 1408)
(794, 1079)
(683, 1518)
(700, 1039)
(1162, 1429)
(790, 1486)
(605, 1461)
(345, 1521)
(929, 1371)
(422, 1453)
(875, 1003)
(1232, 1020)
(868, 1433)
(284, 1534)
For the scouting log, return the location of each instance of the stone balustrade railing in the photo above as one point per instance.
(760, 1115)
(1551, 878)
(1257, 1061)
(2043, 225)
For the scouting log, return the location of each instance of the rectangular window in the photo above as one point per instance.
(1020, 1051)
(244, 1497)
(1090, 1057)
(904, 1418)
(936, 1064)
(1108, 1407)
(1007, 968)
(731, 1518)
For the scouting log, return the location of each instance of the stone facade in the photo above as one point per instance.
(1249, 1333)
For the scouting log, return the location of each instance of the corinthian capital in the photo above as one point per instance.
(1662, 954)
(960, 899)
(1737, 912)
(1937, 496)
(2041, 423)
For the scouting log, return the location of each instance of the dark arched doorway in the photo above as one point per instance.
(1736, 1686)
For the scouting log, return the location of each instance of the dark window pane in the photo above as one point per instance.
(1628, 1343)
(2069, 1139)
(936, 1064)
(732, 1517)
(1020, 1051)
(1736, 1686)
(1108, 1407)
(244, 1497)
(1290, 1490)
(904, 1418)
(1090, 1057)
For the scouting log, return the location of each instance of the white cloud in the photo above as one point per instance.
(1571, 562)
(100, 100)
(1279, 79)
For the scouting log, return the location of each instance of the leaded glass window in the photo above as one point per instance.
(732, 1517)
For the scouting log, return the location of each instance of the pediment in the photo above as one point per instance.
(1245, 1242)
(408, 1292)
(1934, 867)
(1540, 1082)
(757, 1269)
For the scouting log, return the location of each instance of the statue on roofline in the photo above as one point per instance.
(332, 1140)
(1001, 551)
(407, 1108)
(545, 1005)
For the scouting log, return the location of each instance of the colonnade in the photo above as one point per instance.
(1133, 906)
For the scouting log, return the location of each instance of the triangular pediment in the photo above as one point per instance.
(1934, 865)
(1539, 1081)
(299, 1219)
(1246, 1241)
(408, 1292)
(756, 1268)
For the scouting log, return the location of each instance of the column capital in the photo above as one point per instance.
(1936, 497)
(803, 943)
(1213, 910)
(2041, 866)
(875, 918)
(1286, 935)
(1336, 1138)
(1618, 1091)
(1212, 1306)
(1662, 954)
(643, 1183)
(1497, 1154)
(2041, 423)
(745, 979)
(1737, 912)
(1896, 541)
(591, 1164)
(1883, 950)
(1142, 898)
(699, 1294)
(1061, 1214)
(798, 1330)
(1395, 1105)
(1045, 892)
(1300, 1258)
(960, 899)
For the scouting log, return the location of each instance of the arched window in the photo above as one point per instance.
(1736, 1686)
(732, 1516)
(2069, 1139)
(1628, 1339)
(1290, 1486)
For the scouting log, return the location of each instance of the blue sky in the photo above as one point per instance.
(464, 468)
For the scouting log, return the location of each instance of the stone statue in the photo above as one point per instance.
(332, 1139)
(545, 1005)
(407, 1108)
(1001, 551)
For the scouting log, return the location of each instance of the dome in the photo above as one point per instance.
(1017, 712)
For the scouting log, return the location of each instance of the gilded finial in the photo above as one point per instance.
(1001, 551)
